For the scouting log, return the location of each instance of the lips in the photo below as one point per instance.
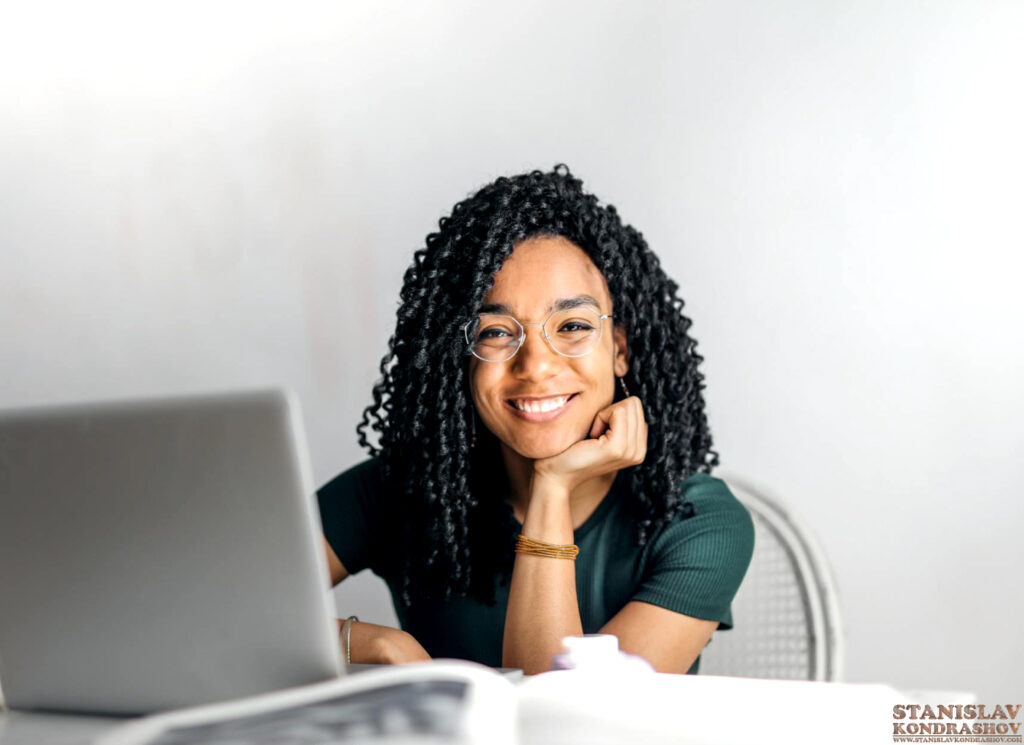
(540, 408)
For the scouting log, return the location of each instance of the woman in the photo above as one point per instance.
(540, 383)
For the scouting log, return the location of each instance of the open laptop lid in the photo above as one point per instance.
(159, 554)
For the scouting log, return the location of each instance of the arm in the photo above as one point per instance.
(383, 645)
(335, 568)
(349, 514)
(542, 605)
(668, 640)
(697, 567)
(370, 642)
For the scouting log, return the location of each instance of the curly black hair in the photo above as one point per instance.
(451, 537)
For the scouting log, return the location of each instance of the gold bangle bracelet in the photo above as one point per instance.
(526, 545)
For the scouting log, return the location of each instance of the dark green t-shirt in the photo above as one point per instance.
(692, 566)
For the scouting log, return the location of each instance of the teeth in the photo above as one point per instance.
(548, 404)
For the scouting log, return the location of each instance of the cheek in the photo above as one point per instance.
(482, 382)
(599, 373)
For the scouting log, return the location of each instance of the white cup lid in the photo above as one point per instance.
(592, 648)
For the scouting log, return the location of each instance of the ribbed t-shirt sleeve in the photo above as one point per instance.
(698, 563)
(349, 513)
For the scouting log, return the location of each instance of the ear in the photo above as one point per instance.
(620, 345)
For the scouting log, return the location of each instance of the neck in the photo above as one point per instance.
(583, 499)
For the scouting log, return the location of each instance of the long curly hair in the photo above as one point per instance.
(453, 532)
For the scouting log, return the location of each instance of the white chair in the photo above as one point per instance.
(786, 616)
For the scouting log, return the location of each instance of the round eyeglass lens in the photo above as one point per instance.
(574, 332)
(494, 338)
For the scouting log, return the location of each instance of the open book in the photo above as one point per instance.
(450, 701)
(453, 701)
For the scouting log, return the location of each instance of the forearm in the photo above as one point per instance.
(542, 604)
(383, 645)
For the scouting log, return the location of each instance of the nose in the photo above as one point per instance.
(536, 360)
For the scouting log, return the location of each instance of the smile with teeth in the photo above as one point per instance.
(539, 405)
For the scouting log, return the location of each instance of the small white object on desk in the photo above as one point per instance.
(596, 654)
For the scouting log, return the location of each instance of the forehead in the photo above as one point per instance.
(543, 270)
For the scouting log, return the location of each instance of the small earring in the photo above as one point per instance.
(472, 427)
(625, 390)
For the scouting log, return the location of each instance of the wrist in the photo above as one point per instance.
(549, 487)
(548, 516)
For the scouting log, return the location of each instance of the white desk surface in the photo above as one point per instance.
(702, 709)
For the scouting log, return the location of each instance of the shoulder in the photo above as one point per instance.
(696, 563)
(363, 477)
(715, 497)
(720, 526)
(349, 514)
(354, 494)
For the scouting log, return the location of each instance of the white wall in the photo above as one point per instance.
(227, 197)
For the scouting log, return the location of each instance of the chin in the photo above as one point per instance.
(537, 453)
(544, 447)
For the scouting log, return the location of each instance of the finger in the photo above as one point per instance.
(588, 451)
(629, 446)
(640, 436)
(631, 423)
(641, 441)
(601, 422)
(619, 427)
(642, 455)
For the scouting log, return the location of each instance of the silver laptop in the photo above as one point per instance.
(160, 554)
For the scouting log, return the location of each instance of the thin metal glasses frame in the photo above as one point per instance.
(522, 337)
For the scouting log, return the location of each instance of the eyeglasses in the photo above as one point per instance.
(572, 333)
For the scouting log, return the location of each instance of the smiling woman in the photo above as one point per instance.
(543, 464)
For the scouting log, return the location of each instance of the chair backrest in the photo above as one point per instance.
(786, 615)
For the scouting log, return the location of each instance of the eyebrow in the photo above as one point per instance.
(566, 303)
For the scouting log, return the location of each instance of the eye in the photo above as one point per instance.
(576, 326)
(492, 333)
